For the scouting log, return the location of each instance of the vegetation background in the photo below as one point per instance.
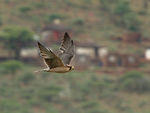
(86, 91)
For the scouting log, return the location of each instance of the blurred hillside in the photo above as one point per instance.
(99, 20)
(88, 91)
(96, 89)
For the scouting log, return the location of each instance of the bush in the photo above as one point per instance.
(2, 91)
(131, 22)
(102, 84)
(122, 8)
(25, 9)
(4, 84)
(34, 101)
(134, 82)
(48, 92)
(105, 5)
(1, 22)
(132, 74)
(27, 93)
(26, 77)
(123, 105)
(12, 106)
(54, 16)
(125, 17)
(89, 104)
(91, 107)
(142, 12)
(99, 85)
(12, 66)
(78, 21)
(40, 5)
(7, 1)
(2, 71)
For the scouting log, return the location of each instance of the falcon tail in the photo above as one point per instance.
(43, 70)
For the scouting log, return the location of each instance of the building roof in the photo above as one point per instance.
(88, 45)
(56, 27)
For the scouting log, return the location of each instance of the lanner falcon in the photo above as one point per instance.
(60, 63)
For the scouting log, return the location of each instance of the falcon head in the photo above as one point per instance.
(70, 67)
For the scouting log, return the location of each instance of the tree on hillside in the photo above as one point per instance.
(125, 17)
(11, 66)
(106, 5)
(145, 6)
(15, 38)
(121, 14)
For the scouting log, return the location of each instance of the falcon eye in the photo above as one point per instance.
(70, 67)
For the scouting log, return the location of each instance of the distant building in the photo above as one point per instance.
(53, 33)
(130, 61)
(111, 60)
(132, 38)
(90, 49)
(29, 52)
(147, 54)
(89, 54)
(103, 52)
(81, 61)
(115, 59)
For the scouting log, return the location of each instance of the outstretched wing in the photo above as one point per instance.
(68, 49)
(50, 59)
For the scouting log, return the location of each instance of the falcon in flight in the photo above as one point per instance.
(60, 63)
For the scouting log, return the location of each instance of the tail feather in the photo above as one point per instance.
(37, 71)
(43, 70)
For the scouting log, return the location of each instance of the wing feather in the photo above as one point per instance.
(50, 59)
(67, 47)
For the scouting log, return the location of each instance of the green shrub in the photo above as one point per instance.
(2, 71)
(34, 101)
(131, 22)
(7, 1)
(25, 9)
(123, 105)
(26, 77)
(137, 85)
(48, 92)
(91, 107)
(49, 108)
(2, 91)
(12, 106)
(12, 66)
(96, 110)
(134, 82)
(40, 5)
(122, 7)
(131, 74)
(105, 5)
(99, 85)
(125, 17)
(54, 16)
(89, 104)
(78, 21)
(4, 84)
(142, 12)
(1, 22)
(27, 93)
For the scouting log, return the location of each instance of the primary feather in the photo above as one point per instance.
(50, 59)
(67, 48)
